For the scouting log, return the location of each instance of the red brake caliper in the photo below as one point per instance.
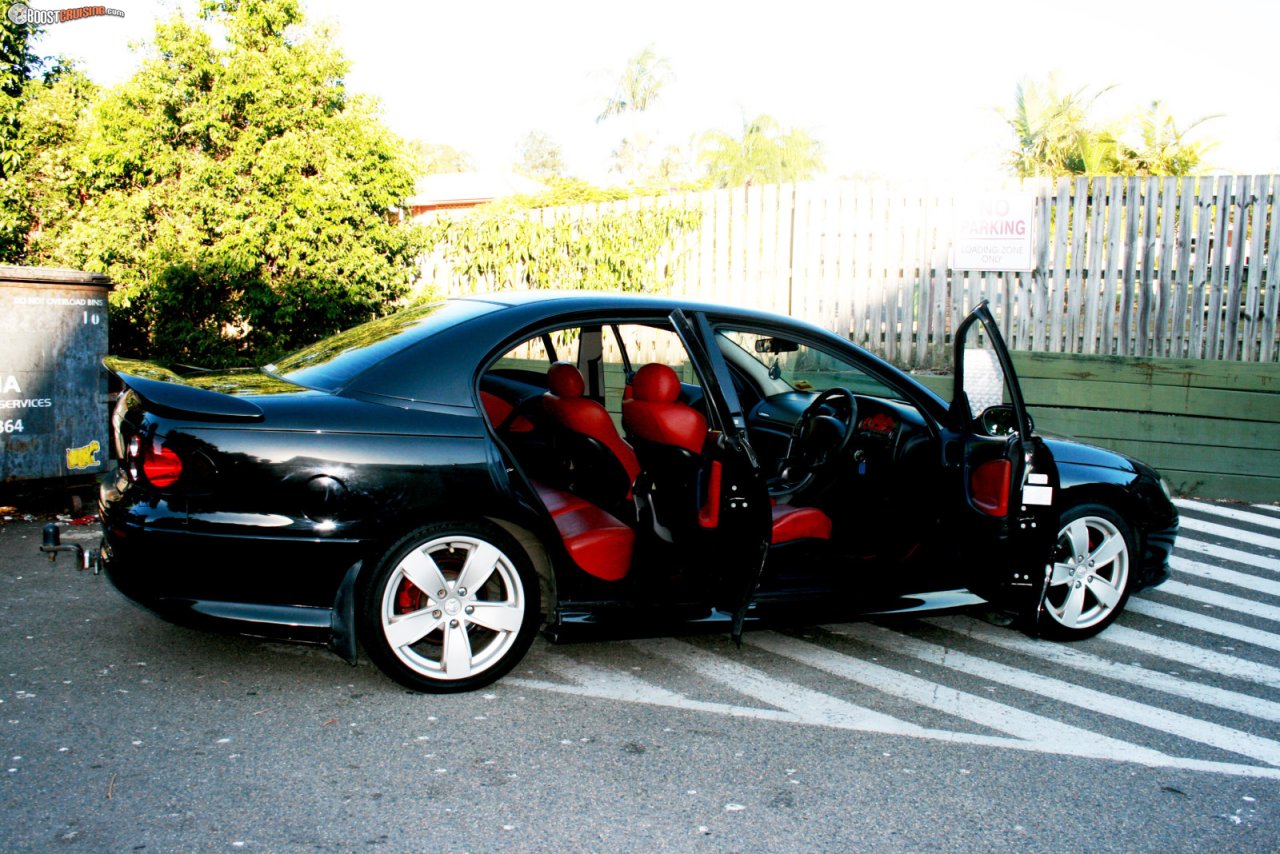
(408, 597)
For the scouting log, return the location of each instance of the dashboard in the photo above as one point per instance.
(887, 425)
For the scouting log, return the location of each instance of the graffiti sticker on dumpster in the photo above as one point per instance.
(53, 395)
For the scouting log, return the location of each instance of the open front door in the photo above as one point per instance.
(738, 516)
(1006, 527)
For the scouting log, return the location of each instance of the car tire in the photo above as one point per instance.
(1092, 573)
(450, 607)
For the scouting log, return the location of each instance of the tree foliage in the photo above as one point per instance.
(540, 156)
(1160, 148)
(237, 193)
(42, 106)
(16, 65)
(638, 87)
(638, 157)
(1056, 135)
(567, 191)
(502, 246)
(765, 153)
(430, 158)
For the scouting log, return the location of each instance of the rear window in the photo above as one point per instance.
(331, 364)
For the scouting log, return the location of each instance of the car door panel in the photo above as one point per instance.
(742, 524)
(1004, 528)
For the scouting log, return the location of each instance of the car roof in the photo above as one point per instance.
(573, 301)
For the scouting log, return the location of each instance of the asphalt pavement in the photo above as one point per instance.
(121, 732)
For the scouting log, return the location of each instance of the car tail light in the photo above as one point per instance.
(150, 459)
(989, 486)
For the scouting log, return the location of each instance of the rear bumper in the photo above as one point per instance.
(284, 588)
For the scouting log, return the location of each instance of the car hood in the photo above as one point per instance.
(1077, 453)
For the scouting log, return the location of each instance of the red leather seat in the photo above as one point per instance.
(799, 523)
(596, 541)
(669, 437)
(585, 417)
(655, 414)
(499, 411)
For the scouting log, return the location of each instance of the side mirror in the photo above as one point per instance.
(1000, 420)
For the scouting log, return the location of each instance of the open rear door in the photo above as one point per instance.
(1005, 528)
(740, 528)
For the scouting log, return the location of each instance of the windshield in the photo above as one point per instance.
(331, 364)
(781, 364)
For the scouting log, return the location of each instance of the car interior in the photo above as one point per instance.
(610, 425)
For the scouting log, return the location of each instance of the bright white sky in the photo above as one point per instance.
(900, 89)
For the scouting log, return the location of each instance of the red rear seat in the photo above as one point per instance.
(597, 542)
(799, 523)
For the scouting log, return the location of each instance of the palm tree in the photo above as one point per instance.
(1054, 137)
(1165, 150)
(764, 154)
(639, 86)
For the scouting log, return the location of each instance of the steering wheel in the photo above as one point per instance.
(819, 437)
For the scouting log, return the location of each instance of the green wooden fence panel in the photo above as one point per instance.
(1211, 428)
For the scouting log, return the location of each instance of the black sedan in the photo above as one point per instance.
(439, 483)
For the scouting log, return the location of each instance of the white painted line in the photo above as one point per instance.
(1189, 655)
(1237, 534)
(806, 704)
(600, 683)
(1226, 576)
(1221, 600)
(1066, 656)
(603, 684)
(1152, 717)
(1235, 513)
(1049, 733)
(1212, 550)
(1267, 508)
(1213, 625)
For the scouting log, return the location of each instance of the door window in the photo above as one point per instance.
(641, 344)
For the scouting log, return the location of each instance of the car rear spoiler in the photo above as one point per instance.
(167, 393)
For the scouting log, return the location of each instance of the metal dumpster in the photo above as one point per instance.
(53, 388)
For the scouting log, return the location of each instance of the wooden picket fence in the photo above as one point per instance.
(1149, 267)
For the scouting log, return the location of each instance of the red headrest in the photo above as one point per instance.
(564, 380)
(656, 383)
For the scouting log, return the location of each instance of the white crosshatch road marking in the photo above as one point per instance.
(1221, 600)
(1240, 535)
(1233, 513)
(1197, 673)
(1209, 625)
(1064, 655)
(1226, 576)
(1186, 544)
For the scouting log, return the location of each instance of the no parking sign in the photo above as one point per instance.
(994, 232)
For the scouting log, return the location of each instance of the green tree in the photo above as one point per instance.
(638, 87)
(16, 66)
(47, 180)
(540, 156)
(238, 194)
(1053, 133)
(42, 103)
(1161, 148)
(1056, 135)
(434, 158)
(765, 153)
(500, 246)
